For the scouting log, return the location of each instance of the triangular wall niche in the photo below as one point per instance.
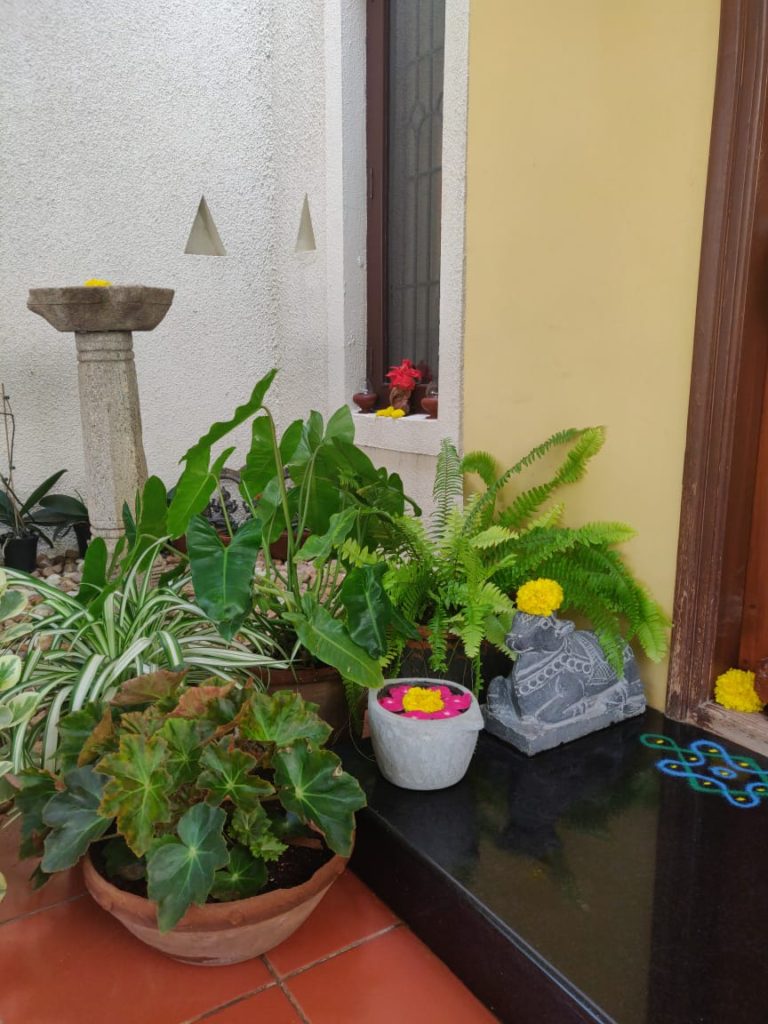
(305, 240)
(204, 238)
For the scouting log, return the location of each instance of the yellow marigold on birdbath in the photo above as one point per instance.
(539, 597)
(97, 282)
(735, 690)
(422, 698)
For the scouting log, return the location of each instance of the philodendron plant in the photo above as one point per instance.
(324, 495)
(195, 791)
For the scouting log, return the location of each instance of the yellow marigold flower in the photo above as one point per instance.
(421, 698)
(397, 413)
(385, 412)
(540, 597)
(97, 282)
(735, 690)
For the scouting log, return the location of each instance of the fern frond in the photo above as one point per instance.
(493, 537)
(448, 487)
(483, 464)
(586, 445)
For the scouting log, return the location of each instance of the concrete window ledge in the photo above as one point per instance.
(416, 434)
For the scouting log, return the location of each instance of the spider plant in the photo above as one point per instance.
(68, 651)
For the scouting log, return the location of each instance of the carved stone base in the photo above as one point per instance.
(624, 699)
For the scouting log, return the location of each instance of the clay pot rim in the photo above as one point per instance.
(297, 676)
(212, 916)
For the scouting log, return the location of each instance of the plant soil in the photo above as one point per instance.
(296, 866)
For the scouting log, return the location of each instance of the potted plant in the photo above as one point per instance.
(64, 512)
(64, 650)
(22, 520)
(324, 606)
(211, 819)
(458, 581)
(424, 731)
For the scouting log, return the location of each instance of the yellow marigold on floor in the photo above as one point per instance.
(97, 282)
(540, 597)
(421, 698)
(735, 690)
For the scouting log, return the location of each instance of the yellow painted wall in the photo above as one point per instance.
(589, 125)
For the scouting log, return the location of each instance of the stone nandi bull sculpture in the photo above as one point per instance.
(561, 686)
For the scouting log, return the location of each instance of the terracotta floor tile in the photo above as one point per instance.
(270, 1007)
(21, 898)
(74, 964)
(392, 978)
(347, 913)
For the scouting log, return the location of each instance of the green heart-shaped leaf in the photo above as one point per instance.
(138, 790)
(12, 602)
(227, 776)
(313, 785)
(74, 819)
(244, 876)
(282, 718)
(184, 738)
(181, 871)
(194, 489)
(222, 575)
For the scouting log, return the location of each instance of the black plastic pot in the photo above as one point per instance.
(21, 553)
(83, 534)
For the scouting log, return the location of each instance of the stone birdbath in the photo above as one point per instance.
(102, 320)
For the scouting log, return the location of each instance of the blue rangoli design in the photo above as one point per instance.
(709, 768)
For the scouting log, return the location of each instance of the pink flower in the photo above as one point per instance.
(454, 703)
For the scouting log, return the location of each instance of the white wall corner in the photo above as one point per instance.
(345, 22)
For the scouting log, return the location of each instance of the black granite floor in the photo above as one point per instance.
(582, 884)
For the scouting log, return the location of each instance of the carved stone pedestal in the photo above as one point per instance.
(102, 320)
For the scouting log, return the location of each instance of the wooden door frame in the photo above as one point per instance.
(729, 368)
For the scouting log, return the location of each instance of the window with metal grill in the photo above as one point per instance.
(405, 47)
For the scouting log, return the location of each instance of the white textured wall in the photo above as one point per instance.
(116, 116)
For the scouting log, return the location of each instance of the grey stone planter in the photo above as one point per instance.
(423, 754)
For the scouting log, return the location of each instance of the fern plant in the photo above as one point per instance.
(461, 577)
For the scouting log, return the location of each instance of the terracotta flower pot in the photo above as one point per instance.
(217, 933)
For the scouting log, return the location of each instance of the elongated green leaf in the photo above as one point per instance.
(152, 523)
(181, 872)
(69, 509)
(260, 466)
(40, 492)
(370, 613)
(244, 876)
(327, 640)
(228, 775)
(74, 819)
(138, 789)
(241, 414)
(282, 718)
(94, 571)
(341, 426)
(312, 784)
(194, 489)
(253, 828)
(10, 671)
(223, 575)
